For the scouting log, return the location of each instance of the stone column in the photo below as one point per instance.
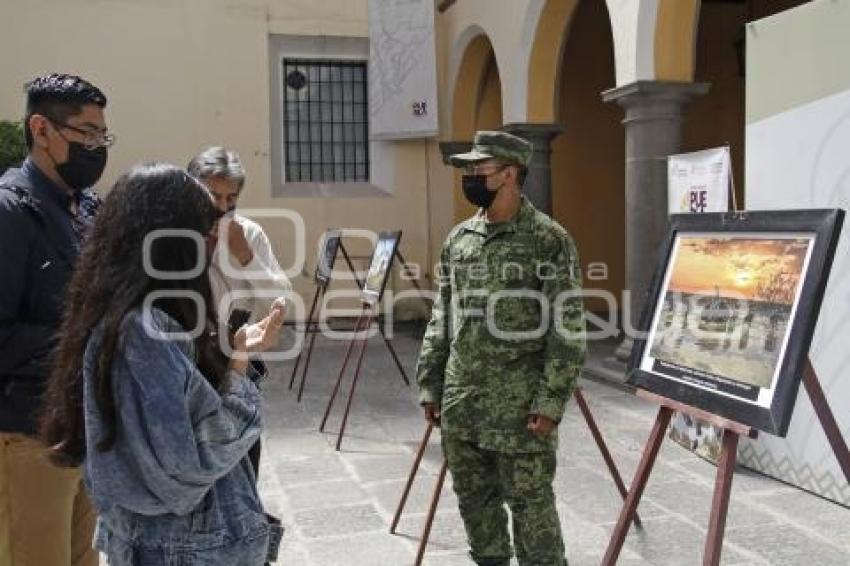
(538, 183)
(653, 122)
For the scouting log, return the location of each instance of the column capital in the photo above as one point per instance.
(451, 147)
(645, 91)
(535, 131)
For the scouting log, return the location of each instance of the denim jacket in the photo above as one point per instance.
(176, 489)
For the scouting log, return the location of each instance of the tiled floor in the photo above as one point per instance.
(337, 506)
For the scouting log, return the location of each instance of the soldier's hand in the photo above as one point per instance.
(540, 425)
(431, 414)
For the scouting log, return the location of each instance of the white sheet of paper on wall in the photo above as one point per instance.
(402, 70)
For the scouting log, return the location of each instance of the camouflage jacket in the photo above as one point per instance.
(506, 337)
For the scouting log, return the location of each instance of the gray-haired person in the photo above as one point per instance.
(252, 275)
(244, 273)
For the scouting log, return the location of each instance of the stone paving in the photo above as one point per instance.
(337, 506)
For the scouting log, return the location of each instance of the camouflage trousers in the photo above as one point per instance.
(484, 482)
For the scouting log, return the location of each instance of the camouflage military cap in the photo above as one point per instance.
(495, 145)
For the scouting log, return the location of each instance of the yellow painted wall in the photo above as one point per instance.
(674, 40)
(588, 156)
(477, 106)
(489, 115)
(183, 75)
(545, 59)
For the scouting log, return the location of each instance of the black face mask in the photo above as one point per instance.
(475, 190)
(84, 167)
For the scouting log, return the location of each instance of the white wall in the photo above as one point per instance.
(798, 135)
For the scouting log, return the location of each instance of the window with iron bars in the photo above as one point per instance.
(325, 121)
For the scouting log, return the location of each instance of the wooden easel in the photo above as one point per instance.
(367, 315)
(725, 465)
(311, 324)
(360, 338)
(441, 478)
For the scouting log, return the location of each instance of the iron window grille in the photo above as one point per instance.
(325, 121)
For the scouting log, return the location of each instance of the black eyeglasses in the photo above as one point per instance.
(91, 139)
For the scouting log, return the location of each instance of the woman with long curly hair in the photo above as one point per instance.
(142, 393)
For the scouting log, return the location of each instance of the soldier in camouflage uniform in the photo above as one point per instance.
(501, 355)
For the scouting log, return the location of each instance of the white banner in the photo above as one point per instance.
(798, 159)
(402, 69)
(699, 181)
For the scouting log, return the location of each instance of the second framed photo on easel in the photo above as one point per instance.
(327, 257)
(380, 266)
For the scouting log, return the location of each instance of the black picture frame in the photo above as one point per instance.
(327, 257)
(380, 265)
(731, 398)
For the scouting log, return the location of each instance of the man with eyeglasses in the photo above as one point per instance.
(46, 208)
(501, 355)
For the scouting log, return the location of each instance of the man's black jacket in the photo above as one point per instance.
(39, 244)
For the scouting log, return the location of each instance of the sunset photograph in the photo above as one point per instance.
(216, 215)
(726, 307)
(741, 268)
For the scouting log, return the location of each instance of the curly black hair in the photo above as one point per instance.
(111, 279)
(58, 97)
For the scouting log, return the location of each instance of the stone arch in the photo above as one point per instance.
(477, 56)
(545, 59)
(588, 156)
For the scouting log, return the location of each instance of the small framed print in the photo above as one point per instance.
(380, 266)
(327, 256)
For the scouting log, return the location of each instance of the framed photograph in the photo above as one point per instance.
(327, 256)
(380, 266)
(732, 309)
